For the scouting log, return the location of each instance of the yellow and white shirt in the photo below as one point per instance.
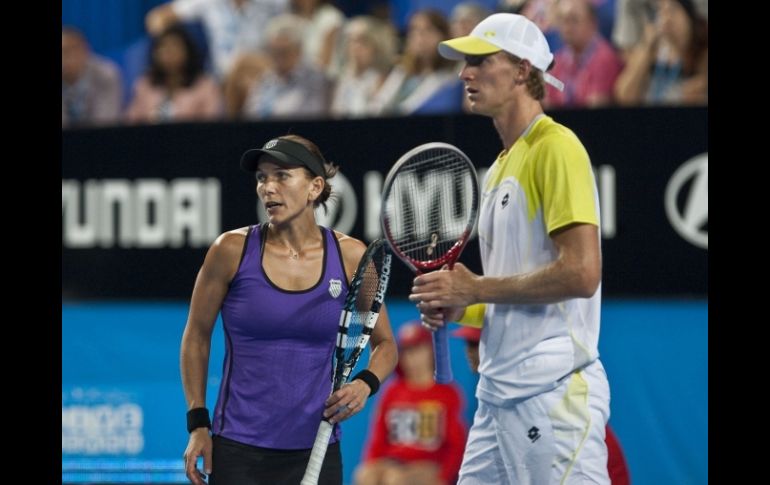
(542, 183)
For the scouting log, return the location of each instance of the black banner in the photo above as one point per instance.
(140, 205)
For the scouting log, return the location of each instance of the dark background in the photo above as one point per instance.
(645, 146)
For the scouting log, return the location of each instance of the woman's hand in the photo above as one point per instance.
(347, 401)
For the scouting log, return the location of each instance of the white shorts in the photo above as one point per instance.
(556, 437)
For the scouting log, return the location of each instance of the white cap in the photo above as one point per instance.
(508, 32)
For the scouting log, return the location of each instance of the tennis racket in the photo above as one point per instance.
(430, 204)
(366, 294)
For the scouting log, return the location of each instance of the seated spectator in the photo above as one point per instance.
(91, 86)
(616, 461)
(175, 87)
(248, 70)
(422, 74)
(541, 12)
(632, 15)
(587, 64)
(670, 66)
(465, 16)
(324, 24)
(370, 50)
(291, 88)
(418, 436)
(232, 27)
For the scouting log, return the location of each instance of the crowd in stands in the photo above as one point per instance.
(304, 59)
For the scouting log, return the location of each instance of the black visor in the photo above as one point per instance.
(286, 152)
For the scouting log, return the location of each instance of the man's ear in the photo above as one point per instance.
(524, 69)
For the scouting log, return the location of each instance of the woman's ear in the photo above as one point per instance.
(317, 186)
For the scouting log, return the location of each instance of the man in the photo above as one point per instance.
(587, 63)
(91, 86)
(543, 394)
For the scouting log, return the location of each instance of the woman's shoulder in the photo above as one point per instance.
(235, 234)
(231, 241)
(352, 249)
(348, 242)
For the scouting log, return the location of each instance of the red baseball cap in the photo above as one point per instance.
(468, 333)
(413, 333)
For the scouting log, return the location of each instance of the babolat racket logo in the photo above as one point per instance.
(384, 277)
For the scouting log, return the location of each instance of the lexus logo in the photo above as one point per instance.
(687, 200)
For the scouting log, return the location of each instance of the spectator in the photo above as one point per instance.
(465, 16)
(175, 87)
(418, 435)
(91, 86)
(670, 66)
(631, 17)
(370, 50)
(422, 77)
(587, 63)
(248, 70)
(541, 12)
(291, 88)
(232, 27)
(324, 23)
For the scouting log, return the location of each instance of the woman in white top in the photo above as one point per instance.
(369, 53)
(325, 22)
(421, 73)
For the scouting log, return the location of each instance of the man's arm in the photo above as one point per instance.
(575, 273)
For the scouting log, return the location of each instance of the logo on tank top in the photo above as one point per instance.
(505, 200)
(335, 287)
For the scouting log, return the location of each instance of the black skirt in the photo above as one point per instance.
(237, 463)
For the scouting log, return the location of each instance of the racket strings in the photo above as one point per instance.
(362, 306)
(431, 204)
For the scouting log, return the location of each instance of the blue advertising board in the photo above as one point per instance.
(123, 406)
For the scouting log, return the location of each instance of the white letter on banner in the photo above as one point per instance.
(116, 191)
(151, 213)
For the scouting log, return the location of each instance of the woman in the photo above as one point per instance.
(175, 87)
(274, 286)
(370, 49)
(670, 65)
(422, 82)
(324, 24)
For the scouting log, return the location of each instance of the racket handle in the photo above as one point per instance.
(441, 354)
(313, 470)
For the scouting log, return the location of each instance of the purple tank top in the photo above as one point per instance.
(278, 352)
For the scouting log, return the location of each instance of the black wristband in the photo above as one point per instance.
(198, 418)
(370, 379)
